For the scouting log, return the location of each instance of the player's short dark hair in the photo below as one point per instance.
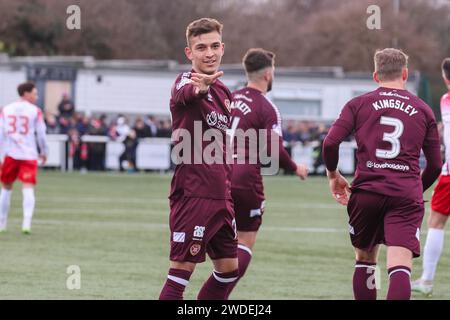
(202, 26)
(25, 87)
(446, 68)
(257, 59)
(389, 63)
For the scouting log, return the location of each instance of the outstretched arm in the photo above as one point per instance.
(340, 130)
(188, 89)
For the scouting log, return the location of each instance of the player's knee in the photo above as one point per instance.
(226, 265)
(399, 256)
(366, 256)
(247, 239)
(183, 265)
(437, 220)
(366, 259)
(248, 243)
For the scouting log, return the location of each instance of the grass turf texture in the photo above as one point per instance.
(114, 227)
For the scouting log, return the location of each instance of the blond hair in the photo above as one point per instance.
(389, 63)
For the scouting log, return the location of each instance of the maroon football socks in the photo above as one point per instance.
(364, 286)
(244, 258)
(176, 282)
(218, 285)
(399, 283)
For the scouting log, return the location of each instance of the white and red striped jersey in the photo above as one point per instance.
(445, 111)
(21, 125)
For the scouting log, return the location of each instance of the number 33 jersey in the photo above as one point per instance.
(391, 126)
(21, 124)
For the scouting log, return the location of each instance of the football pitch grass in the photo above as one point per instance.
(115, 228)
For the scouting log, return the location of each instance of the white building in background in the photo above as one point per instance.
(136, 87)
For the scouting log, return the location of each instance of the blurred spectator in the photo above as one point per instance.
(165, 129)
(97, 127)
(52, 124)
(122, 128)
(128, 157)
(64, 125)
(66, 107)
(290, 135)
(304, 133)
(82, 124)
(78, 150)
(151, 123)
(318, 165)
(142, 130)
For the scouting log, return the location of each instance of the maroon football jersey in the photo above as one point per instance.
(391, 126)
(208, 111)
(252, 110)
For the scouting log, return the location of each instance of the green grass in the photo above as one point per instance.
(114, 227)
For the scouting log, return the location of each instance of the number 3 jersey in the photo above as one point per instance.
(391, 126)
(21, 124)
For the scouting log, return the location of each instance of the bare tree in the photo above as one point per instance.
(301, 32)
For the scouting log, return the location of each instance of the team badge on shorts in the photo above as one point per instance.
(195, 248)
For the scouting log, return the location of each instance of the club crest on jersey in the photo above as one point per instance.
(195, 249)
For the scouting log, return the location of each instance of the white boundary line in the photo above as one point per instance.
(165, 227)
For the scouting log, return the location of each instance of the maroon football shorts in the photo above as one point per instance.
(379, 219)
(249, 208)
(199, 226)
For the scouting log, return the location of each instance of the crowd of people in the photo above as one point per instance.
(304, 131)
(91, 155)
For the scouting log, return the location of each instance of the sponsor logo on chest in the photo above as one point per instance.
(217, 120)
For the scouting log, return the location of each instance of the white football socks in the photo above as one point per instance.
(5, 201)
(28, 207)
(432, 253)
